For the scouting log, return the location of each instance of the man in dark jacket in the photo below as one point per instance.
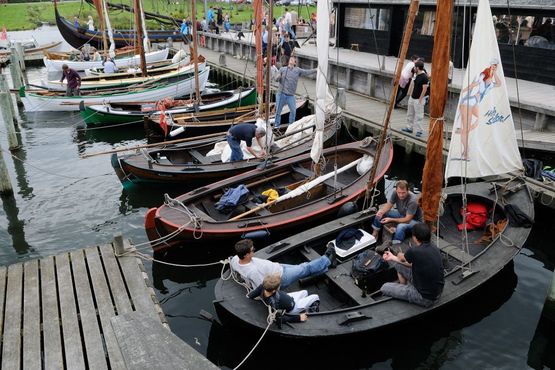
(420, 270)
(73, 81)
(245, 132)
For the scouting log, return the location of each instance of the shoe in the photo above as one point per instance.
(406, 129)
(314, 307)
(330, 253)
(419, 134)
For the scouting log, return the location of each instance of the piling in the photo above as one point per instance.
(8, 120)
(5, 182)
(551, 293)
(341, 100)
(15, 71)
(222, 60)
(20, 55)
(5, 88)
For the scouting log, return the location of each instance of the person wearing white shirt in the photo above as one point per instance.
(404, 80)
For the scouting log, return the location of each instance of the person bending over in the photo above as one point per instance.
(245, 132)
(420, 270)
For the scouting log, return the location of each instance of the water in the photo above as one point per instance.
(64, 202)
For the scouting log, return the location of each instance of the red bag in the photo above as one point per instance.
(476, 216)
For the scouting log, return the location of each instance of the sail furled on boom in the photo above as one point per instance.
(324, 103)
(483, 141)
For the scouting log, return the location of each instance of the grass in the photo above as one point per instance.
(27, 16)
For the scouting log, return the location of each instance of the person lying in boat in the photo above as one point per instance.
(405, 216)
(420, 270)
(253, 269)
(295, 304)
(245, 132)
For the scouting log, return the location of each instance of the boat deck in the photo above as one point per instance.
(81, 310)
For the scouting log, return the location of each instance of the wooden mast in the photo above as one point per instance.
(194, 53)
(98, 4)
(139, 33)
(432, 176)
(413, 9)
(270, 25)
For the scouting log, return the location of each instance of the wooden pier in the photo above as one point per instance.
(82, 310)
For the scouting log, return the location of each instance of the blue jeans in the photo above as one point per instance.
(291, 103)
(292, 273)
(400, 230)
(236, 151)
(289, 29)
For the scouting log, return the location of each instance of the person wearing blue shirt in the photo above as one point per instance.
(245, 132)
(210, 15)
(184, 27)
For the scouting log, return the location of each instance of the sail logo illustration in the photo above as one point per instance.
(483, 141)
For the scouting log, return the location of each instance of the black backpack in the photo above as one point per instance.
(370, 271)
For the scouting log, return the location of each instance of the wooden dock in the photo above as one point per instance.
(73, 311)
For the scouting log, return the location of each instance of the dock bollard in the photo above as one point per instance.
(222, 60)
(5, 101)
(340, 98)
(5, 182)
(119, 248)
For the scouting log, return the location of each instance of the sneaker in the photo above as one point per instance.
(330, 253)
(419, 134)
(406, 129)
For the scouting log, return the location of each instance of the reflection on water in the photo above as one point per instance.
(542, 347)
(16, 227)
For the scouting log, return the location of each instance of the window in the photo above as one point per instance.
(528, 30)
(425, 22)
(367, 18)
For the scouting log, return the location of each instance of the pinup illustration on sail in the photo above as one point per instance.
(469, 103)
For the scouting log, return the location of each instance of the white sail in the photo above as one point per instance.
(324, 99)
(109, 29)
(483, 141)
(146, 41)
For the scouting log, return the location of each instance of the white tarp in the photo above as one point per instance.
(483, 142)
(324, 99)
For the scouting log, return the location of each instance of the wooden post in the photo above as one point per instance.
(5, 88)
(551, 293)
(119, 247)
(8, 120)
(15, 72)
(139, 33)
(341, 99)
(20, 54)
(194, 53)
(5, 182)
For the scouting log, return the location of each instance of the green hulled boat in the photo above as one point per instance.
(111, 114)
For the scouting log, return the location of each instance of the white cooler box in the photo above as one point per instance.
(363, 243)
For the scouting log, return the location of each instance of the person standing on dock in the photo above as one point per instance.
(73, 81)
(417, 100)
(244, 132)
(289, 78)
(404, 81)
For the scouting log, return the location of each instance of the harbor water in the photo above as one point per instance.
(63, 202)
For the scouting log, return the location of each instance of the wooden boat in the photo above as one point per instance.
(118, 80)
(111, 113)
(77, 37)
(345, 308)
(193, 215)
(123, 62)
(53, 101)
(471, 257)
(202, 123)
(190, 163)
(35, 49)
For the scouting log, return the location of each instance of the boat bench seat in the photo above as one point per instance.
(329, 182)
(341, 277)
(453, 250)
(199, 157)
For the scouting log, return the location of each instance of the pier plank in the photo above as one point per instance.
(96, 359)
(31, 316)
(3, 272)
(136, 285)
(11, 350)
(70, 323)
(52, 340)
(117, 286)
(105, 307)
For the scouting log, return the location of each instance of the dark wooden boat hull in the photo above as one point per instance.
(213, 123)
(159, 165)
(324, 201)
(77, 37)
(361, 314)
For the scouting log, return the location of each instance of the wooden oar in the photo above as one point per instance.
(154, 145)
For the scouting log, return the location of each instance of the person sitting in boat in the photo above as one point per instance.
(96, 56)
(253, 269)
(73, 80)
(295, 304)
(245, 132)
(84, 56)
(109, 65)
(420, 270)
(405, 216)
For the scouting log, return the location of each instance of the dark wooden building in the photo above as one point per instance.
(525, 32)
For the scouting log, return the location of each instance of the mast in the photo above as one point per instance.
(269, 60)
(413, 9)
(101, 22)
(258, 14)
(139, 33)
(194, 49)
(432, 176)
